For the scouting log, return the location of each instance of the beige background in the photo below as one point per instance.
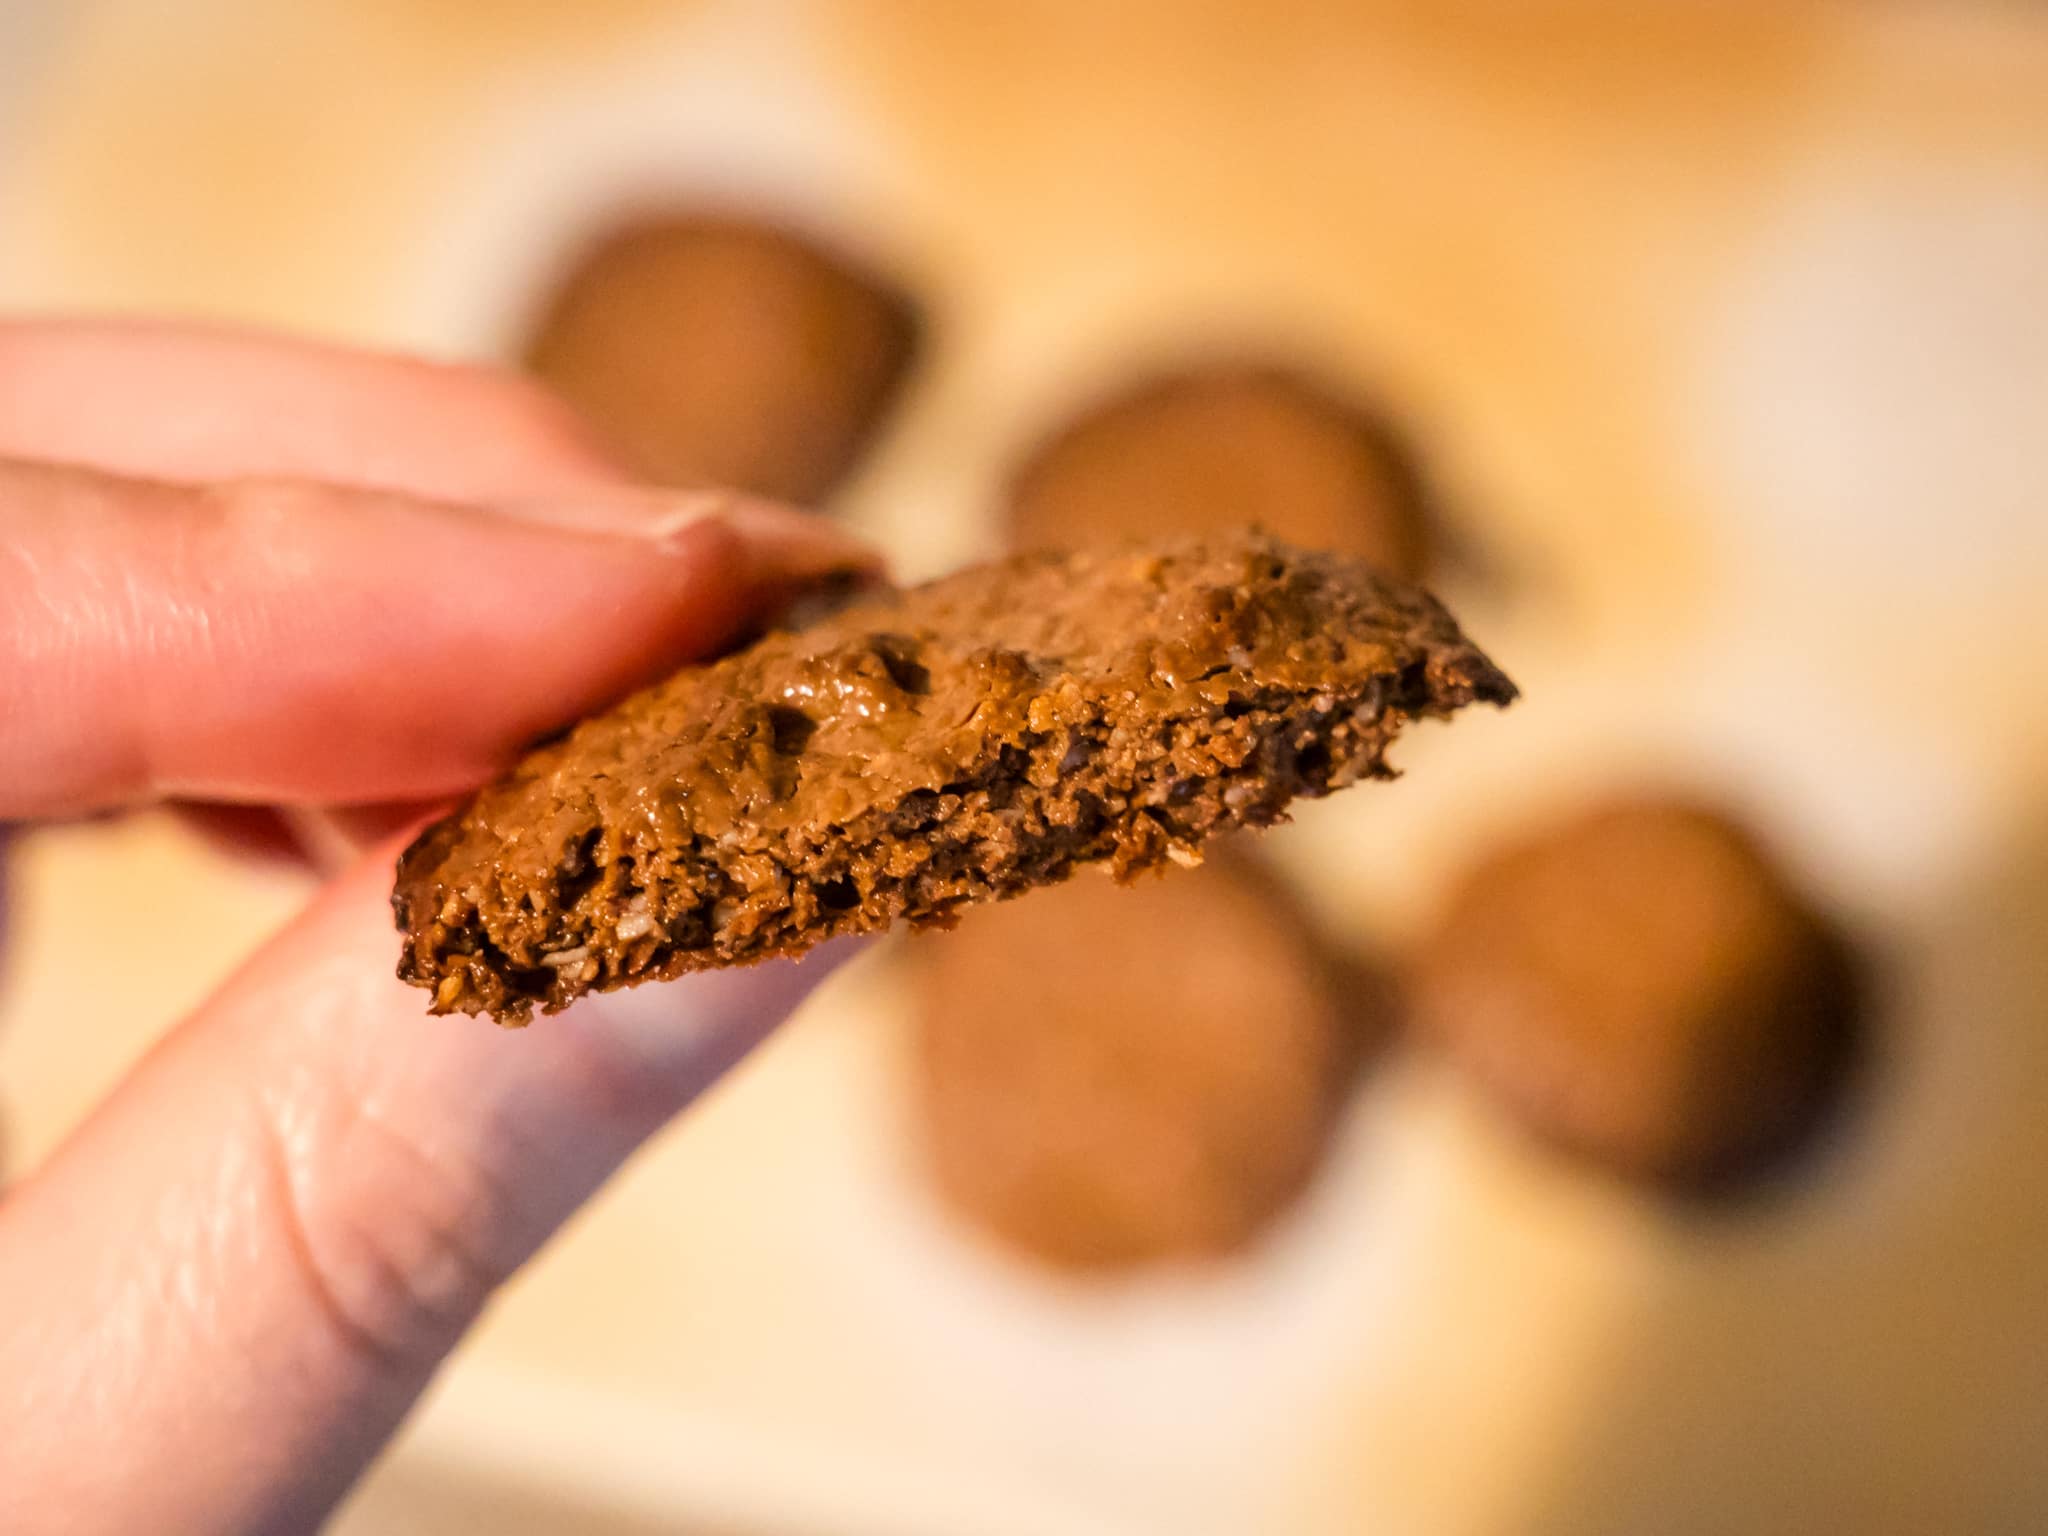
(1727, 328)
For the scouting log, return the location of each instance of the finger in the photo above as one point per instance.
(185, 402)
(304, 643)
(246, 1266)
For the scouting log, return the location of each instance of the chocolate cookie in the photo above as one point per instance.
(1640, 985)
(1113, 1077)
(921, 751)
(1216, 450)
(716, 351)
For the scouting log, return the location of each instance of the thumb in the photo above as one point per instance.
(228, 1288)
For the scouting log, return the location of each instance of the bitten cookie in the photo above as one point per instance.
(921, 751)
(1216, 450)
(1640, 985)
(722, 352)
(1111, 1077)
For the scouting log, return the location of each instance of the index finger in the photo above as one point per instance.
(170, 401)
(312, 642)
(309, 644)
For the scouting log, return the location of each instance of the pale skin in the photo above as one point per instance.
(268, 574)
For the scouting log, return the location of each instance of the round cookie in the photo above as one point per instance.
(1641, 986)
(1108, 1077)
(719, 351)
(1217, 449)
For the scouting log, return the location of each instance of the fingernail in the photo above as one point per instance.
(792, 545)
(785, 543)
(326, 846)
(625, 513)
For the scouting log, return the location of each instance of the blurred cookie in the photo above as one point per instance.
(718, 351)
(1642, 986)
(1219, 449)
(1108, 1077)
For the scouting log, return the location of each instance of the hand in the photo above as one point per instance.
(234, 569)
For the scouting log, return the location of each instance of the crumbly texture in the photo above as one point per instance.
(1642, 986)
(726, 352)
(1215, 449)
(1114, 1077)
(921, 751)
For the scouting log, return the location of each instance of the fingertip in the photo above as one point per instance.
(306, 643)
(781, 543)
(788, 544)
